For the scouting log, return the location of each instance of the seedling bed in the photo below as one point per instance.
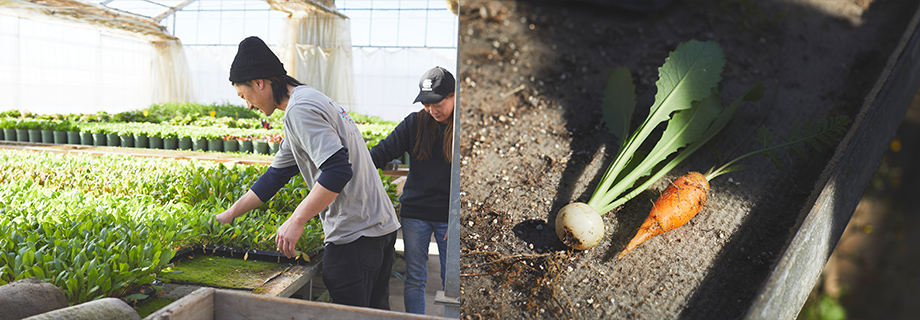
(270, 272)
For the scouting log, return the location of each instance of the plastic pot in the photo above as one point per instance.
(9, 134)
(216, 145)
(22, 135)
(73, 137)
(99, 139)
(273, 147)
(231, 145)
(141, 141)
(127, 141)
(35, 135)
(86, 138)
(60, 137)
(246, 146)
(154, 142)
(47, 136)
(200, 145)
(113, 140)
(261, 147)
(171, 143)
(185, 143)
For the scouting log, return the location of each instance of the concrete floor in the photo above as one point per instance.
(396, 285)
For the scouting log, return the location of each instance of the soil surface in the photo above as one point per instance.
(531, 76)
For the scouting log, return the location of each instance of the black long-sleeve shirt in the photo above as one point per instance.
(426, 193)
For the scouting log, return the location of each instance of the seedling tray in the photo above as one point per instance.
(246, 254)
(287, 277)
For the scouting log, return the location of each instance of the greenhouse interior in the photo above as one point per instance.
(119, 55)
(123, 138)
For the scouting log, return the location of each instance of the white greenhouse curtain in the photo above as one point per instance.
(79, 59)
(80, 62)
(315, 48)
(64, 67)
(171, 81)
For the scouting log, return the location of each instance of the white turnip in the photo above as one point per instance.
(579, 226)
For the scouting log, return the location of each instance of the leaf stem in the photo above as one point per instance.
(713, 172)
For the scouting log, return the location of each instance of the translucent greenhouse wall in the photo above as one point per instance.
(62, 67)
(50, 66)
(386, 80)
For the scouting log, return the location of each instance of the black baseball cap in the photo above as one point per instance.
(435, 85)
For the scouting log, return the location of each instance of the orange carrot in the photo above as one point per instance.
(679, 203)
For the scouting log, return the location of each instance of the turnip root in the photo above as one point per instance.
(579, 226)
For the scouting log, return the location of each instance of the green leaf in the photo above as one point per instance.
(716, 126)
(137, 296)
(38, 272)
(733, 169)
(764, 137)
(689, 74)
(619, 103)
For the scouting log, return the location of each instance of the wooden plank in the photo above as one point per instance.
(843, 183)
(292, 279)
(198, 305)
(235, 305)
(397, 173)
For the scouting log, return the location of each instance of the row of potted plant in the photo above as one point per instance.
(227, 115)
(159, 136)
(171, 137)
(142, 135)
(36, 130)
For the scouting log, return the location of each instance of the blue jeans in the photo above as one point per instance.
(416, 236)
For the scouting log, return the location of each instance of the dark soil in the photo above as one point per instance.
(531, 76)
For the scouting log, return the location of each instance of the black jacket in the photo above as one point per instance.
(426, 193)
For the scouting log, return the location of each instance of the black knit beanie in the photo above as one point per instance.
(254, 60)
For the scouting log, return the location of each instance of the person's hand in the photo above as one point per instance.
(224, 217)
(288, 234)
(446, 234)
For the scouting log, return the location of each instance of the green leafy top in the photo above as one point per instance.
(687, 99)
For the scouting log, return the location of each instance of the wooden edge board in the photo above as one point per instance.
(292, 279)
(198, 305)
(842, 184)
(233, 305)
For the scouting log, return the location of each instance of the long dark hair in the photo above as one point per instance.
(279, 86)
(427, 131)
